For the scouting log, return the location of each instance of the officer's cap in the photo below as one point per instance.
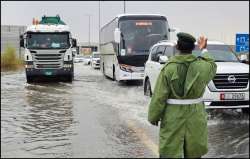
(185, 37)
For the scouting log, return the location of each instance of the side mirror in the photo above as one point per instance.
(74, 52)
(176, 30)
(117, 35)
(157, 56)
(243, 61)
(77, 50)
(74, 43)
(243, 58)
(21, 42)
(163, 59)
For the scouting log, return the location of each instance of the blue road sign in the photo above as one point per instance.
(242, 43)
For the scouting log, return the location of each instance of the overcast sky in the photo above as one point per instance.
(216, 20)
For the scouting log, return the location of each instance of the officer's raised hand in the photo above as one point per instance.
(202, 42)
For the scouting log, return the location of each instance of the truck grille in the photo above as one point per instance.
(47, 60)
(231, 81)
(97, 61)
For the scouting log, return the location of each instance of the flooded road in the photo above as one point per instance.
(95, 117)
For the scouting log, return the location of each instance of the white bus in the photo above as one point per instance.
(125, 44)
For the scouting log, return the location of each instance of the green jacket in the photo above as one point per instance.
(183, 77)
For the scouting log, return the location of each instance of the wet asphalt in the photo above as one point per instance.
(95, 117)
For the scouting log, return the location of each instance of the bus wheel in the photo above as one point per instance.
(114, 77)
(103, 69)
(147, 88)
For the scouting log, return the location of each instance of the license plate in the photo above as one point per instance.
(232, 96)
(48, 73)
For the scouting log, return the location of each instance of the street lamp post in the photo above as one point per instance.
(89, 27)
(89, 30)
(124, 6)
(99, 25)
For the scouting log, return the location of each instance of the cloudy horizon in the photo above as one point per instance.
(217, 20)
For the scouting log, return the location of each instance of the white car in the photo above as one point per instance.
(78, 59)
(95, 60)
(86, 60)
(229, 88)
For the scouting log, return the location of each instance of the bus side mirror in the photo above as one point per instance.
(74, 43)
(21, 41)
(117, 35)
(176, 30)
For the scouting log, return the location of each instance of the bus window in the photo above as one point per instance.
(137, 36)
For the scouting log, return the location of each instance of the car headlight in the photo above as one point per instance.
(29, 66)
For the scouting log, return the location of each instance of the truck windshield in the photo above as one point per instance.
(221, 53)
(48, 40)
(137, 36)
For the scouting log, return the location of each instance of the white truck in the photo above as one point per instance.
(229, 88)
(49, 49)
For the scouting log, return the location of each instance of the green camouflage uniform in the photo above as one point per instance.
(183, 128)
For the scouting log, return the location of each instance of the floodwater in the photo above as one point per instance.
(95, 117)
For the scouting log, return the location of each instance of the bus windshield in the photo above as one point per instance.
(220, 53)
(48, 41)
(137, 36)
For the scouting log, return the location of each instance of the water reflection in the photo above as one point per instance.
(39, 120)
(228, 134)
(48, 120)
(122, 139)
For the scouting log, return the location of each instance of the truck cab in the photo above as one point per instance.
(49, 49)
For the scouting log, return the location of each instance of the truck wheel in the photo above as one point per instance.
(70, 78)
(103, 71)
(245, 110)
(29, 79)
(147, 88)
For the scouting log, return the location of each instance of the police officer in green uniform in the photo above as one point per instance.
(177, 101)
